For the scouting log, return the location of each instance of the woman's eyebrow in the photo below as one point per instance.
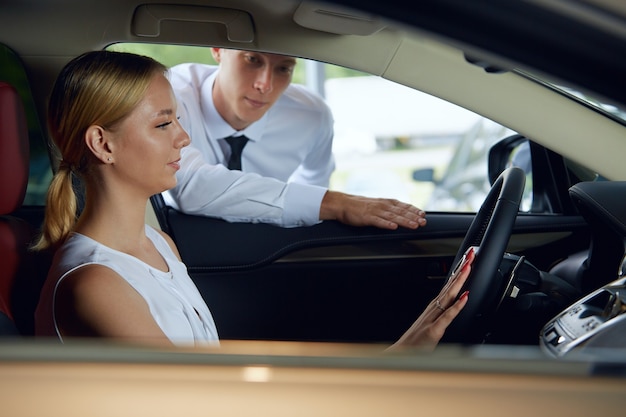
(164, 112)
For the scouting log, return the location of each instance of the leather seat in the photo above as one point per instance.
(15, 233)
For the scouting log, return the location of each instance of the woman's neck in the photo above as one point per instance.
(114, 219)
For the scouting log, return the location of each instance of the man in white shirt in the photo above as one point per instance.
(289, 129)
(287, 158)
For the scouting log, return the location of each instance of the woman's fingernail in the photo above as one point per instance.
(464, 295)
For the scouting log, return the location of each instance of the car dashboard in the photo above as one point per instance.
(598, 320)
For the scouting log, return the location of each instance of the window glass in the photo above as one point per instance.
(40, 175)
(390, 140)
(387, 135)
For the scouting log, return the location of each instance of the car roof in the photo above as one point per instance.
(99, 23)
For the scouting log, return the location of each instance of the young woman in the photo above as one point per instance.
(112, 117)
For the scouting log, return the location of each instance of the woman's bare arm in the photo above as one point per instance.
(94, 301)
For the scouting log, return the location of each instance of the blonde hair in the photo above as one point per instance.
(96, 88)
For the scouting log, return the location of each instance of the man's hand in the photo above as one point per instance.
(363, 211)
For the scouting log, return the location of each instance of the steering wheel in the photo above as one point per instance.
(489, 233)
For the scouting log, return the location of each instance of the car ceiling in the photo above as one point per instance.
(432, 67)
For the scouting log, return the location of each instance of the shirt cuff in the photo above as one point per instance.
(302, 204)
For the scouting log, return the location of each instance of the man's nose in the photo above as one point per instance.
(264, 80)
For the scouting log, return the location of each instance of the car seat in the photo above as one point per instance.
(15, 233)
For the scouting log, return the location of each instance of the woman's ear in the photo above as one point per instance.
(98, 143)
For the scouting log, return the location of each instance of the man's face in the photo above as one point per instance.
(249, 83)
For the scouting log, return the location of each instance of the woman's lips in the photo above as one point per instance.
(175, 164)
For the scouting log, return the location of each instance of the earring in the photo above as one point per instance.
(109, 159)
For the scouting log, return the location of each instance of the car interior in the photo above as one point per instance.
(534, 184)
(23, 271)
(335, 283)
(15, 232)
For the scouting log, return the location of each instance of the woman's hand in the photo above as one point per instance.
(431, 325)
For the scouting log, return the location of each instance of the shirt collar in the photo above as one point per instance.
(216, 126)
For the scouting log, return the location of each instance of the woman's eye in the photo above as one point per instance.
(163, 125)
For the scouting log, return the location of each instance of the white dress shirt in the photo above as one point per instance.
(291, 143)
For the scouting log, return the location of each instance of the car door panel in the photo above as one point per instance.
(332, 282)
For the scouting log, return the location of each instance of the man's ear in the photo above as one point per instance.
(216, 52)
(97, 142)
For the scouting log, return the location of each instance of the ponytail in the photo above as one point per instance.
(60, 215)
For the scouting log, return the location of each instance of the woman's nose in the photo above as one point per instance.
(182, 139)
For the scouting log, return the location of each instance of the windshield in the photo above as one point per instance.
(603, 106)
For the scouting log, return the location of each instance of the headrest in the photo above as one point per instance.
(14, 150)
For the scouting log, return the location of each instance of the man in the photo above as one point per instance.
(287, 154)
(289, 129)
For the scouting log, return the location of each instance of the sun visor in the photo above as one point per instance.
(335, 19)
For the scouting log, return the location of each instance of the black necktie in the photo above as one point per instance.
(236, 147)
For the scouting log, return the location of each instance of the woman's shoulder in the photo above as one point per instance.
(77, 248)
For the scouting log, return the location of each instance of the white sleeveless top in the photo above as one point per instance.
(173, 299)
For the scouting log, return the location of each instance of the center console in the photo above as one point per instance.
(597, 320)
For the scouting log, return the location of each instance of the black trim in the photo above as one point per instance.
(207, 244)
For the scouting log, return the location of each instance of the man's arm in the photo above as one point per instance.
(215, 191)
